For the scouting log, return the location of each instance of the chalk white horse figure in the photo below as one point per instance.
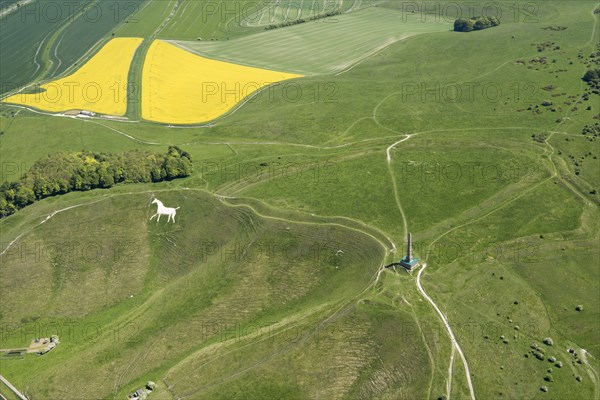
(162, 210)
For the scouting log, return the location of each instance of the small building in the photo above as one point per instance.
(143, 393)
(87, 113)
(42, 346)
(46, 349)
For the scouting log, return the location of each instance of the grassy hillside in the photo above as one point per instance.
(180, 281)
(270, 283)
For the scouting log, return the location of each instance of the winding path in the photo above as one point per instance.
(591, 372)
(394, 185)
(12, 388)
(455, 344)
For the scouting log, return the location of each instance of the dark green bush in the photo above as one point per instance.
(475, 23)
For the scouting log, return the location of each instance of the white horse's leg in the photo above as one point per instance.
(153, 216)
(173, 215)
(158, 219)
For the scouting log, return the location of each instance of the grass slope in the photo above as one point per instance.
(185, 281)
(501, 253)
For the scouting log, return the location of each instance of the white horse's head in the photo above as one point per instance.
(155, 201)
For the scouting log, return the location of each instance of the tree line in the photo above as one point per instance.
(475, 23)
(302, 20)
(64, 172)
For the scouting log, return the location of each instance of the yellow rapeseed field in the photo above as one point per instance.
(100, 85)
(179, 87)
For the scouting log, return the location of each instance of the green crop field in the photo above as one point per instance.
(147, 19)
(322, 46)
(87, 30)
(280, 11)
(279, 278)
(46, 39)
(207, 20)
(26, 63)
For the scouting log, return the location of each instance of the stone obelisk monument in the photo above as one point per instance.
(409, 262)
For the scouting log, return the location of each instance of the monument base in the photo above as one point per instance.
(409, 264)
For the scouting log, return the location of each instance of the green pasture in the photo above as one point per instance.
(270, 283)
